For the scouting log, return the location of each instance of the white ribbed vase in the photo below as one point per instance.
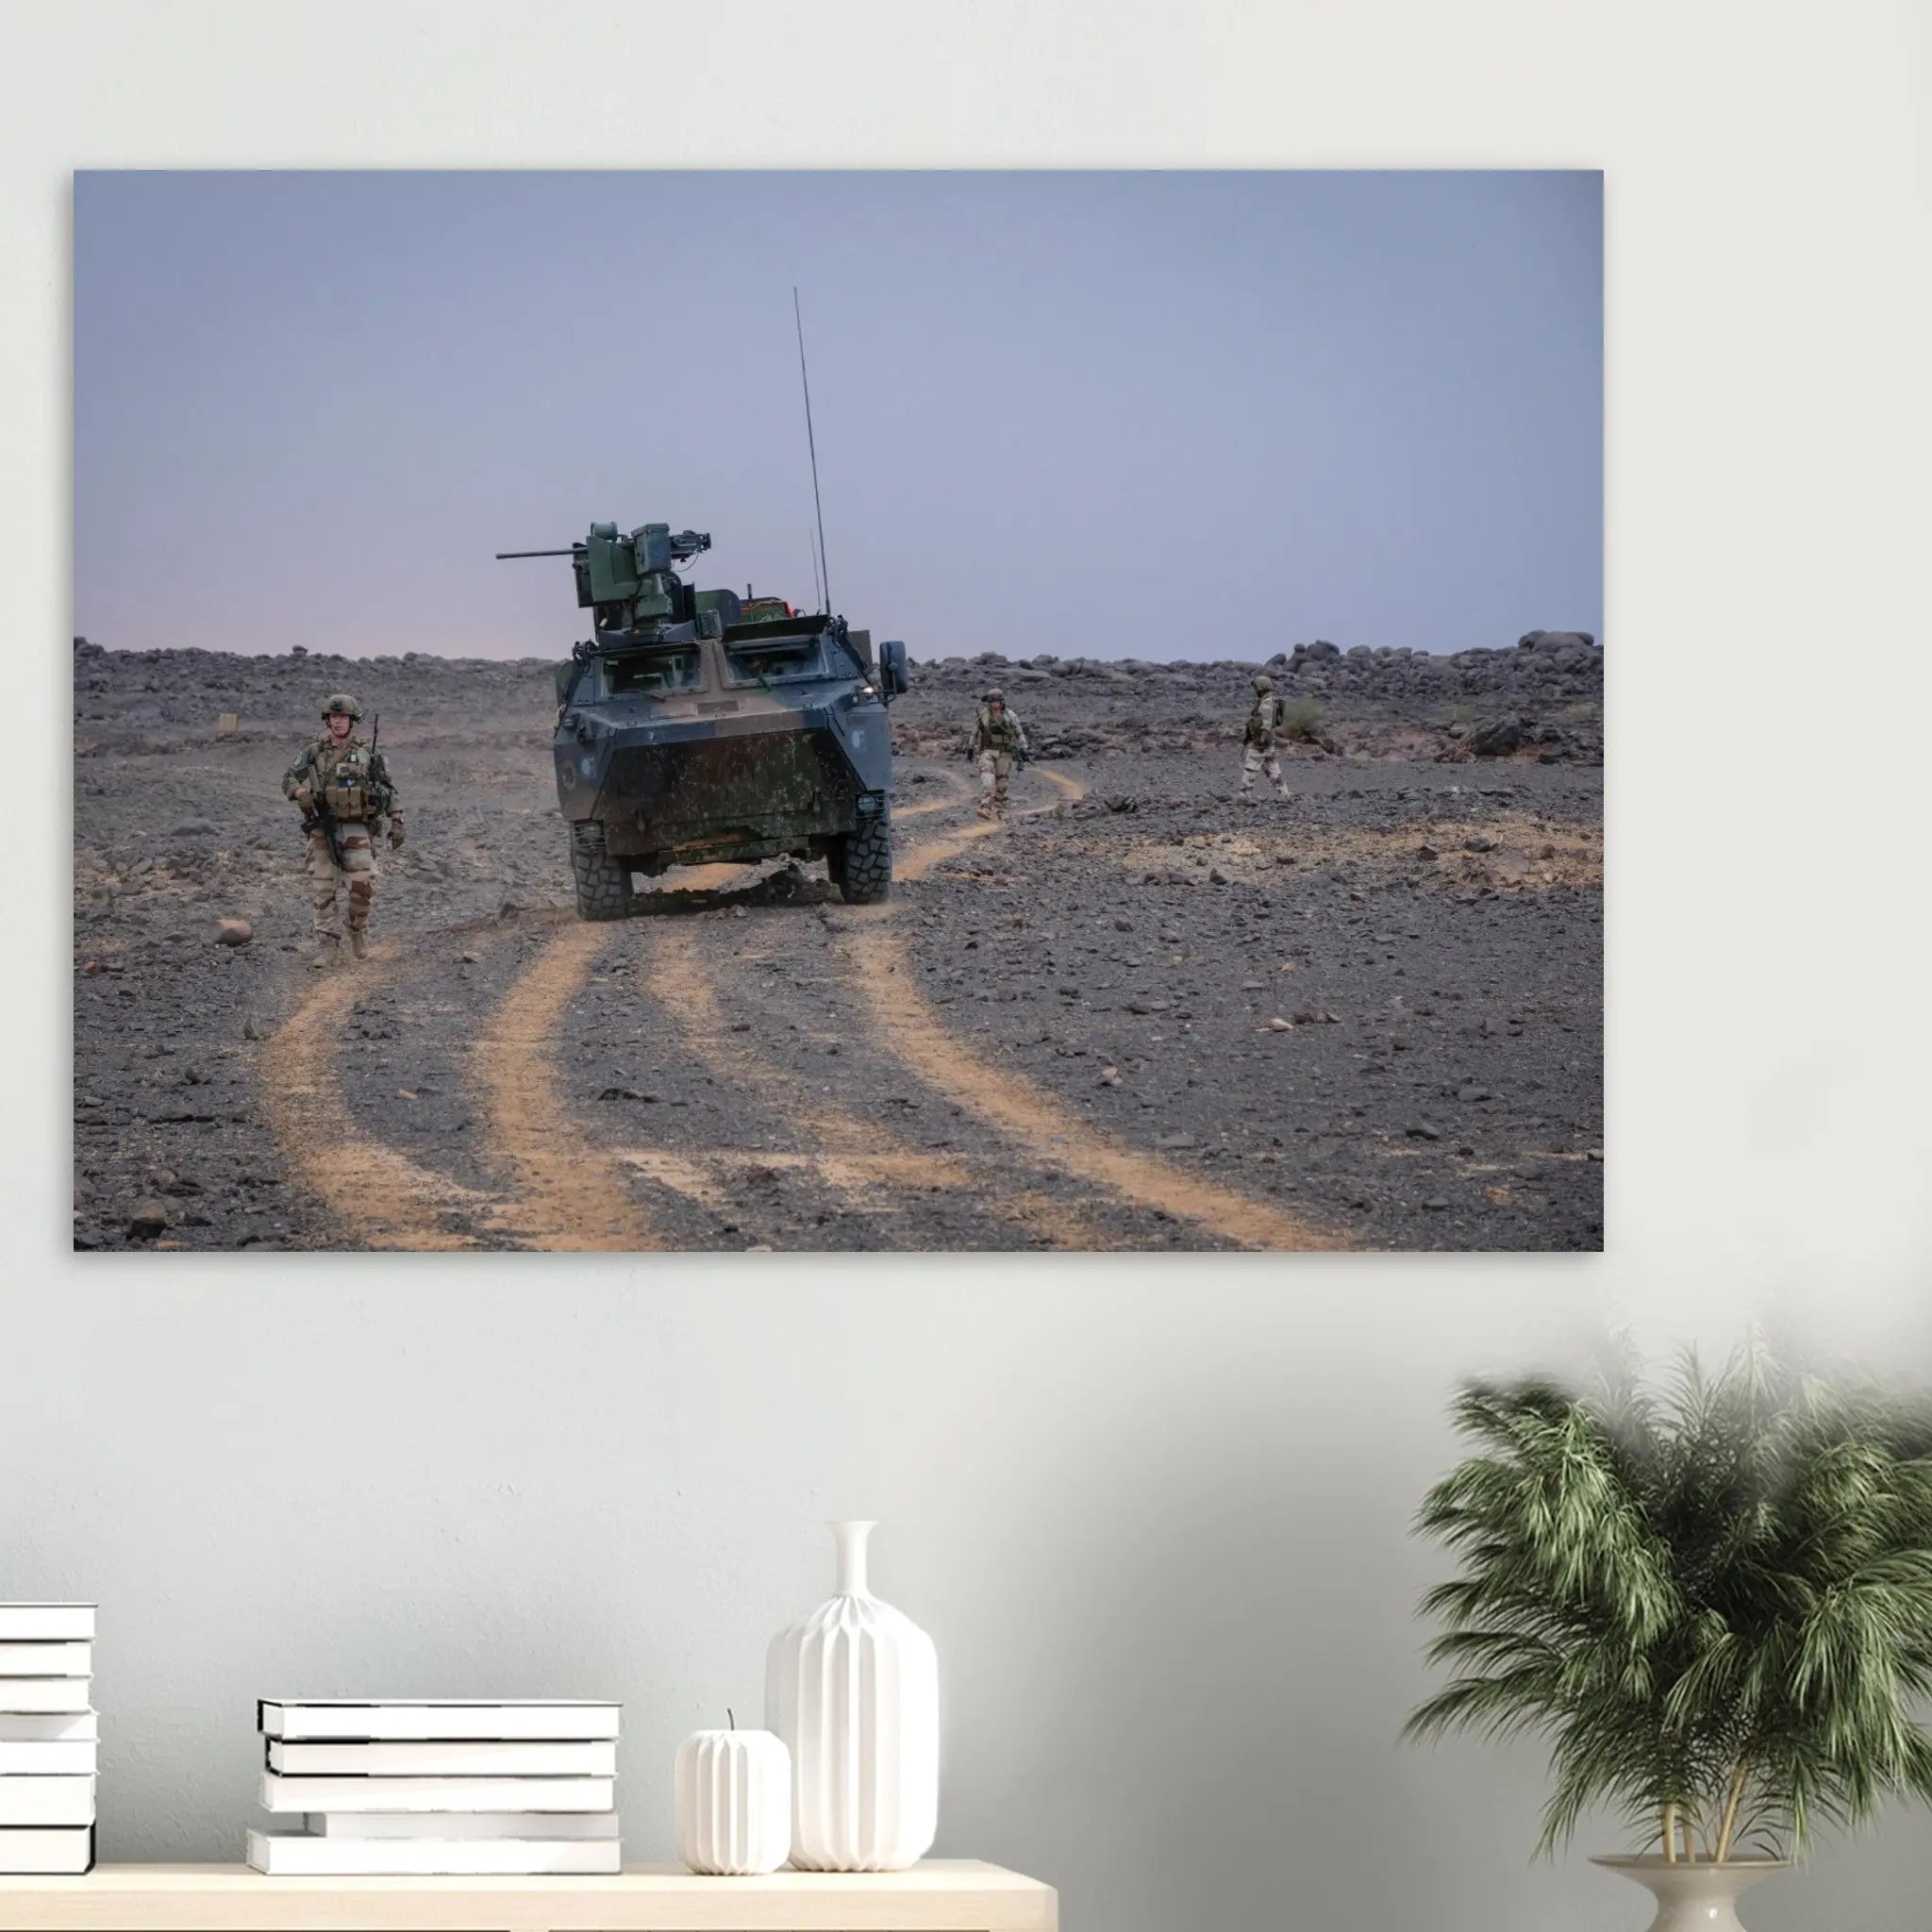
(734, 1802)
(854, 1690)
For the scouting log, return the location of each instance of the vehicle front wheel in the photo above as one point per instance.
(861, 863)
(603, 882)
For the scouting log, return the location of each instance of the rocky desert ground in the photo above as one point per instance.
(1139, 1015)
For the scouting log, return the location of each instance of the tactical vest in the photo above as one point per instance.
(1261, 720)
(342, 778)
(1001, 734)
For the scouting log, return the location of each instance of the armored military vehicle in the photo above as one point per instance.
(694, 727)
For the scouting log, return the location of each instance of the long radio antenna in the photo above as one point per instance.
(810, 443)
(814, 549)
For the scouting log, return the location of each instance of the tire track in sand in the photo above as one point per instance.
(1046, 1125)
(929, 853)
(955, 793)
(569, 1193)
(853, 1156)
(1017, 1106)
(381, 1196)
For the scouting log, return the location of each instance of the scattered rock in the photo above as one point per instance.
(149, 1218)
(1496, 740)
(1421, 1130)
(1170, 1143)
(233, 932)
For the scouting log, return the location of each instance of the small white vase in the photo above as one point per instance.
(854, 1690)
(734, 1803)
(1695, 1898)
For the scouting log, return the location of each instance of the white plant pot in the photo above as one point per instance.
(1695, 1898)
(734, 1803)
(854, 1690)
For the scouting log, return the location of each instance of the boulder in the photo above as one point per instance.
(233, 932)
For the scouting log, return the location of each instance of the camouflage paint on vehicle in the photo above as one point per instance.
(688, 734)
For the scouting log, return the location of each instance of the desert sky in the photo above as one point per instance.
(1124, 415)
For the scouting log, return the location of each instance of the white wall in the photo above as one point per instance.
(1155, 1514)
(1156, 1520)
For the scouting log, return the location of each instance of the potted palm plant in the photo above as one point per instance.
(1713, 1602)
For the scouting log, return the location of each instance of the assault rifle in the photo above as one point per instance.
(321, 819)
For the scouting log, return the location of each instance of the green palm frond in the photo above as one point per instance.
(1711, 1601)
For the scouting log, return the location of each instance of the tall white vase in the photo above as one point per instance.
(854, 1690)
(1695, 1898)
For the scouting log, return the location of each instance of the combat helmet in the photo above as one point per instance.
(994, 697)
(1265, 682)
(340, 702)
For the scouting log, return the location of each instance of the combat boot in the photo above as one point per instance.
(359, 943)
(328, 953)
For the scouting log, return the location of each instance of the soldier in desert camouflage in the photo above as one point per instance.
(998, 737)
(1258, 740)
(344, 791)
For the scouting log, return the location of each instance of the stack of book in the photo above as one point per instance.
(438, 1786)
(48, 1734)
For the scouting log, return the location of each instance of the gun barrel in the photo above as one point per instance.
(501, 554)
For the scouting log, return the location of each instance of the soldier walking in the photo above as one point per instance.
(998, 737)
(1258, 740)
(343, 788)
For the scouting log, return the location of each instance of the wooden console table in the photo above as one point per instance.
(941, 1895)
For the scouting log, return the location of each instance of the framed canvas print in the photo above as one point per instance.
(916, 712)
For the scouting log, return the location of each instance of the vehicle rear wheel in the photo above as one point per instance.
(603, 882)
(861, 863)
